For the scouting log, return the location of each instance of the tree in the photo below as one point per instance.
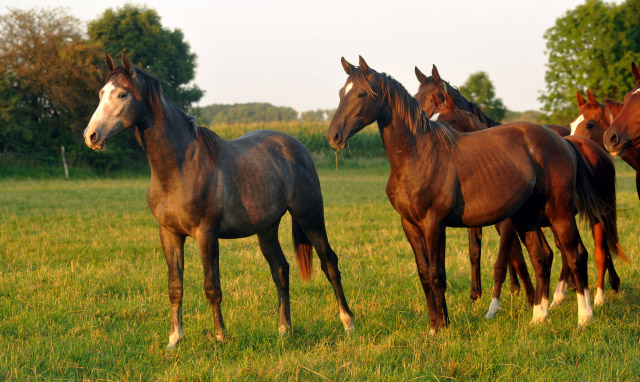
(479, 89)
(161, 52)
(318, 115)
(590, 47)
(49, 77)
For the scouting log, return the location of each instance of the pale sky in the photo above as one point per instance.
(288, 53)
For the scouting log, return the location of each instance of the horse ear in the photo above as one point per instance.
(435, 74)
(591, 98)
(127, 65)
(435, 100)
(110, 65)
(448, 100)
(580, 99)
(636, 72)
(421, 77)
(348, 68)
(363, 66)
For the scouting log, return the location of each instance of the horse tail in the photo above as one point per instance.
(598, 205)
(304, 251)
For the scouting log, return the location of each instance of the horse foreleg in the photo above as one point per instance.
(601, 261)
(416, 240)
(173, 246)
(565, 276)
(436, 240)
(270, 247)
(475, 252)
(210, 255)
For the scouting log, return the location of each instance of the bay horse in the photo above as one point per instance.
(605, 232)
(594, 119)
(436, 85)
(209, 188)
(435, 182)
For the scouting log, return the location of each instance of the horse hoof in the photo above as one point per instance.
(172, 345)
(220, 336)
(432, 332)
(475, 295)
(615, 284)
(599, 299)
(584, 320)
(347, 322)
(493, 309)
(284, 330)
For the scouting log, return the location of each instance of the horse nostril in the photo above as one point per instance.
(93, 137)
(336, 137)
(613, 138)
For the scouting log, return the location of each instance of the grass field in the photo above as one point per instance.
(83, 296)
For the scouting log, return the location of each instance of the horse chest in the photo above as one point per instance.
(181, 211)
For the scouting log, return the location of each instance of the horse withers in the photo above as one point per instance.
(209, 188)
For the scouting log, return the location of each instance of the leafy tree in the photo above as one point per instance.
(49, 78)
(247, 113)
(162, 52)
(479, 89)
(313, 116)
(590, 47)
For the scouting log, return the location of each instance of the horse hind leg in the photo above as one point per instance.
(270, 247)
(475, 242)
(207, 240)
(309, 216)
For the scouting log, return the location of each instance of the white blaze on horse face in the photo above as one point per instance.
(348, 87)
(585, 314)
(576, 123)
(435, 117)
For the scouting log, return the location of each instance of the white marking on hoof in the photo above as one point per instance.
(576, 123)
(599, 299)
(435, 117)
(174, 338)
(493, 308)
(585, 314)
(348, 87)
(347, 321)
(559, 294)
(432, 332)
(284, 329)
(540, 312)
(220, 336)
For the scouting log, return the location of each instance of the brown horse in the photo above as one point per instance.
(435, 182)
(208, 188)
(605, 232)
(624, 133)
(592, 122)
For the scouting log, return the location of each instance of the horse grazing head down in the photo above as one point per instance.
(625, 128)
(121, 103)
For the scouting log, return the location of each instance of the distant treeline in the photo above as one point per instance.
(257, 113)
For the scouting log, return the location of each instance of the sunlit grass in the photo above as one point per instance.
(83, 295)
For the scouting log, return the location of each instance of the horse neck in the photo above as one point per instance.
(166, 141)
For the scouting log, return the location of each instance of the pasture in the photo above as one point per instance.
(83, 295)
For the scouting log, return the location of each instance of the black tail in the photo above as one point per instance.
(598, 205)
(304, 251)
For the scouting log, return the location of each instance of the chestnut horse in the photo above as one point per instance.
(208, 188)
(623, 136)
(605, 232)
(436, 181)
(594, 119)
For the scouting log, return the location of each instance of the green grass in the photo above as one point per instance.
(83, 295)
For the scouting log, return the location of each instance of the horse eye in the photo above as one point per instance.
(590, 125)
(362, 95)
(122, 95)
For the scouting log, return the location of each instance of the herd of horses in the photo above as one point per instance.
(450, 166)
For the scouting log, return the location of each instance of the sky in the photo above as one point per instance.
(288, 53)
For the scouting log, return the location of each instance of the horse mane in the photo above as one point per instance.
(207, 138)
(407, 107)
(464, 103)
(614, 107)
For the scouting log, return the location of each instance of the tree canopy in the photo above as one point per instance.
(160, 51)
(49, 76)
(246, 113)
(479, 89)
(590, 47)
